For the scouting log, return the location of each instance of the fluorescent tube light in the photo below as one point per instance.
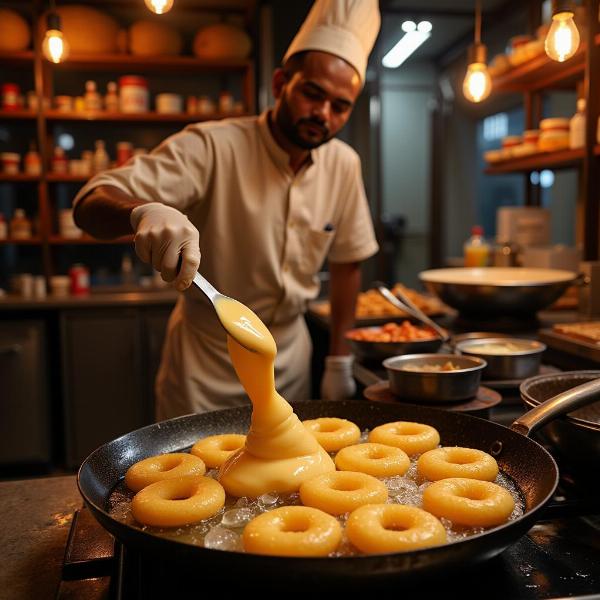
(414, 36)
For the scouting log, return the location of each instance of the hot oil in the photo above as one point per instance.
(224, 530)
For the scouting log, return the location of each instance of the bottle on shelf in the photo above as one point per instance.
(20, 225)
(101, 159)
(476, 249)
(3, 227)
(92, 97)
(60, 163)
(577, 126)
(33, 162)
(111, 100)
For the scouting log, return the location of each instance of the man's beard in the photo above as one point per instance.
(291, 130)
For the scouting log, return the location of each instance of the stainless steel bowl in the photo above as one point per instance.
(492, 291)
(522, 358)
(379, 350)
(434, 386)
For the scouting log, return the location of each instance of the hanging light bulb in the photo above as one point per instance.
(562, 39)
(54, 47)
(477, 84)
(160, 7)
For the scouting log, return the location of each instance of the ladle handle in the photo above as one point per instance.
(206, 287)
(405, 304)
(564, 402)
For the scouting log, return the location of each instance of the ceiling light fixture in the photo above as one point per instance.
(160, 7)
(414, 36)
(562, 39)
(478, 83)
(54, 47)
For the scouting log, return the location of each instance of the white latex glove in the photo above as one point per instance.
(162, 235)
(338, 382)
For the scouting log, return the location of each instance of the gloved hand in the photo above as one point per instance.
(338, 382)
(162, 234)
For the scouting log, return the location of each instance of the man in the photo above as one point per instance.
(263, 200)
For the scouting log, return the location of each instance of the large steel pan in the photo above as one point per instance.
(503, 291)
(531, 467)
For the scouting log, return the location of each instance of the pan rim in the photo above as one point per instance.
(528, 515)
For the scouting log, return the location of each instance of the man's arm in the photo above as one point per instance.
(105, 212)
(344, 285)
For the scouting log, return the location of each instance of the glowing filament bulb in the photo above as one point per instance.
(160, 7)
(477, 84)
(55, 47)
(562, 39)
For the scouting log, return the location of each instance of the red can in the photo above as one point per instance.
(124, 152)
(80, 279)
(10, 96)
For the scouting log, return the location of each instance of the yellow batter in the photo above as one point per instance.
(279, 453)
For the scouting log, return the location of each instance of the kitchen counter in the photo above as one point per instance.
(36, 517)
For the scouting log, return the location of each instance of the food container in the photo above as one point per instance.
(10, 162)
(169, 103)
(554, 134)
(64, 103)
(133, 94)
(79, 278)
(10, 96)
(60, 285)
(506, 357)
(374, 349)
(124, 152)
(434, 386)
(205, 106)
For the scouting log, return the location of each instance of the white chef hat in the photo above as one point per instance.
(345, 28)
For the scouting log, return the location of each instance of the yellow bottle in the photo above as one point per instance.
(476, 249)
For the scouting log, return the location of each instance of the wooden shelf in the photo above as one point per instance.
(16, 114)
(16, 58)
(66, 178)
(149, 117)
(563, 159)
(542, 72)
(126, 62)
(6, 177)
(58, 240)
(34, 241)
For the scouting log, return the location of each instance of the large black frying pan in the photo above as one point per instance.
(530, 466)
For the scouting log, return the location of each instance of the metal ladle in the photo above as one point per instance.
(404, 303)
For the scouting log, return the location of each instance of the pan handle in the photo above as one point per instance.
(558, 405)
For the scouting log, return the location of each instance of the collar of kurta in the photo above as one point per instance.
(280, 157)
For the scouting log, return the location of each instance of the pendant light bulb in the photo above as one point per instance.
(160, 7)
(562, 39)
(478, 83)
(55, 46)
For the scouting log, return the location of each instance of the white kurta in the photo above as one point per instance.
(264, 234)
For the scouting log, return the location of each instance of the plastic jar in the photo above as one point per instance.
(10, 96)
(133, 97)
(169, 103)
(60, 285)
(10, 162)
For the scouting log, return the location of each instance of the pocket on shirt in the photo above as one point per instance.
(315, 251)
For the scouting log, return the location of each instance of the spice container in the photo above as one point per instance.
(577, 126)
(92, 97)
(111, 100)
(476, 249)
(10, 162)
(101, 159)
(20, 225)
(10, 96)
(134, 94)
(60, 285)
(32, 162)
(205, 106)
(191, 105)
(64, 104)
(169, 103)
(79, 276)
(124, 152)
(225, 102)
(59, 161)
(32, 101)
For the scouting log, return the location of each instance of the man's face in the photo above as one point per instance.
(315, 102)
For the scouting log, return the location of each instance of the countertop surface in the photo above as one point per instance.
(36, 517)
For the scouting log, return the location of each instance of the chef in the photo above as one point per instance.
(256, 204)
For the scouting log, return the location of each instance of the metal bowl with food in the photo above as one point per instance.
(434, 377)
(493, 291)
(392, 339)
(506, 357)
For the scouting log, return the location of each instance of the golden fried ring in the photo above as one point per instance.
(214, 450)
(164, 466)
(454, 461)
(339, 492)
(333, 433)
(292, 531)
(413, 438)
(378, 460)
(469, 501)
(380, 528)
(177, 502)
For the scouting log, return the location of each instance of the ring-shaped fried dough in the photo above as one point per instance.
(454, 461)
(214, 450)
(164, 466)
(378, 460)
(381, 528)
(292, 531)
(339, 492)
(413, 438)
(469, 501)
(332, 433)
(176, 502)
